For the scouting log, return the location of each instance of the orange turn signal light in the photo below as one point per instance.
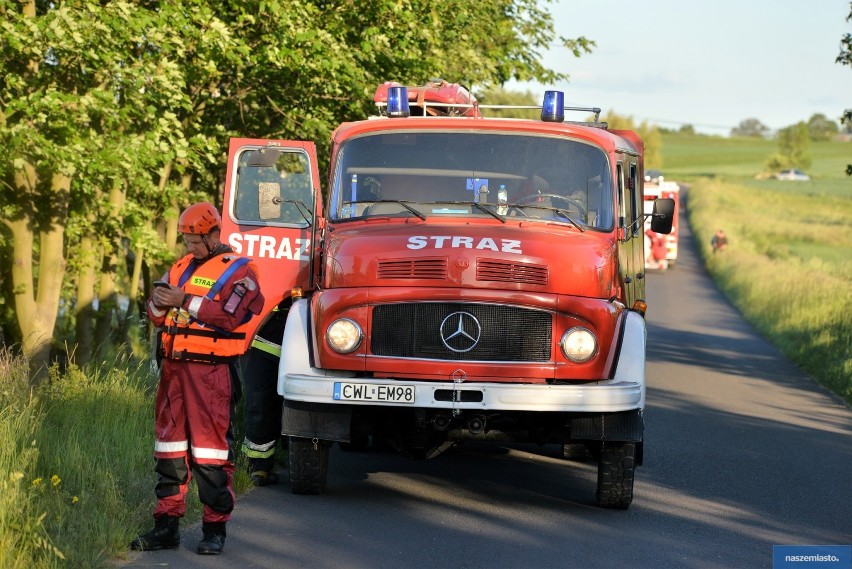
(640, 306)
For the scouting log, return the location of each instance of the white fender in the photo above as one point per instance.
(631, 357)
(295, 355)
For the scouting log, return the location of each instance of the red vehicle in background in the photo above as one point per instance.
(660, 249)
(470, 279)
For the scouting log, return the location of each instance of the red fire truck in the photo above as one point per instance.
(470, 279)
(660, 188)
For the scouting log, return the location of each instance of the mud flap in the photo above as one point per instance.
(316, 421)
(624, 426)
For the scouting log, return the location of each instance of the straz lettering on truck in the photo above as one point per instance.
(267, 246)
(464, 242)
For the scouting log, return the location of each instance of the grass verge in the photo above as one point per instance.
(76, 464)
(787, 268)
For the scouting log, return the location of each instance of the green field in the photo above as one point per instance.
(788, 268)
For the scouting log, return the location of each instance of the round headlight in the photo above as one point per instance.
(344, 336)
(578, 345)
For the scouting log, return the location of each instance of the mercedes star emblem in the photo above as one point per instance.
(460, 332)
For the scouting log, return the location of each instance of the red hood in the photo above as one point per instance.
(530, 256)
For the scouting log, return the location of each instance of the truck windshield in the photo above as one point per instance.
(476, 174)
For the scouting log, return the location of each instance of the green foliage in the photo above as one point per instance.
(794, 147)
(750, 128)
(136, 101)
(24, 537)
(500, 96)
(75, 463)
(787, 267)
(649, 133)
(821, 128)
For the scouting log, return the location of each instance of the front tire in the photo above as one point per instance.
(616, 468)
(308, 465)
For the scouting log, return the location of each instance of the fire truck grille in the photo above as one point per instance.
(461, 332)
(413, 269)
(509, 272)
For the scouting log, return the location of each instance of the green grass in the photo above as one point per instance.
(76, 463)
(788, 267)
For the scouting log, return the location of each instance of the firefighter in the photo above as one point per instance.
(263, 403)
(202, 307)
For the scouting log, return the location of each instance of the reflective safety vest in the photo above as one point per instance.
(187, 338)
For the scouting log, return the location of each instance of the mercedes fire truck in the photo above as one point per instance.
(465, 279)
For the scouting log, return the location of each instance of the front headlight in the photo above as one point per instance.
(578, 345)
(344, 335)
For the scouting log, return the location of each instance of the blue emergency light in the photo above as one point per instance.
(553, 106)
(398, 102)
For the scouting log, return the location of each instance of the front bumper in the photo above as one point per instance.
(597, 397)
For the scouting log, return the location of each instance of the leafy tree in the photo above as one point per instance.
(845, 58)
(750, 128)
(794, 148)
(115, 115)
(821, 128)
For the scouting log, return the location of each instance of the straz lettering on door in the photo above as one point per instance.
(267, 246)
(465, 242)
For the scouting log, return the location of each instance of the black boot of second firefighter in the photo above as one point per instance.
(165, 535)
(213, 541)
(261, 471)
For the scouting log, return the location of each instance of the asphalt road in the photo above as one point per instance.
(742, 452)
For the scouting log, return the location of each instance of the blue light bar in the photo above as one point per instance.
(398, 102)
(553, 106)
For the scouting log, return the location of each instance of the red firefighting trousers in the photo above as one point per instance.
(195, 407)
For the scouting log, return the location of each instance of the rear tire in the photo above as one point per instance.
(616, 468)
(308, 465)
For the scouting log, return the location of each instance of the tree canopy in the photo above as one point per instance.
(114, 115)
(750, 127)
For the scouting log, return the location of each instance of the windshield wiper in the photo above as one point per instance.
(568, 217)
(403, 204)
(548, 208)
(480, 207)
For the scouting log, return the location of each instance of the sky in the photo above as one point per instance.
(708, 63)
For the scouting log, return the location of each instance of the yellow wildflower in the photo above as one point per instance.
(17, 475)
(37, 482)
(74, 499)
(55, 480)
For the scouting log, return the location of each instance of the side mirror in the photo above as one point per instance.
(269, 200)
(663, 216)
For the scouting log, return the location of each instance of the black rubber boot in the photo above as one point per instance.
(263, 478)
(213, 541)
(165, 535)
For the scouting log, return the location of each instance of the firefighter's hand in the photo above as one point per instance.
(167, 296)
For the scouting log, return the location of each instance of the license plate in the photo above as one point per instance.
(344, 391)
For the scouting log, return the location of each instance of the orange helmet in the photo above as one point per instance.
(199, 219)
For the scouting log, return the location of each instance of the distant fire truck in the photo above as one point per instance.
(655, 189)
(470, 279)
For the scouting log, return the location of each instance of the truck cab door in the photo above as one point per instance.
(625, 236)
(271, 208)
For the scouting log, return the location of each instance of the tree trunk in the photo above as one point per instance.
(37, 305)
(107, 290)
(85, 311)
